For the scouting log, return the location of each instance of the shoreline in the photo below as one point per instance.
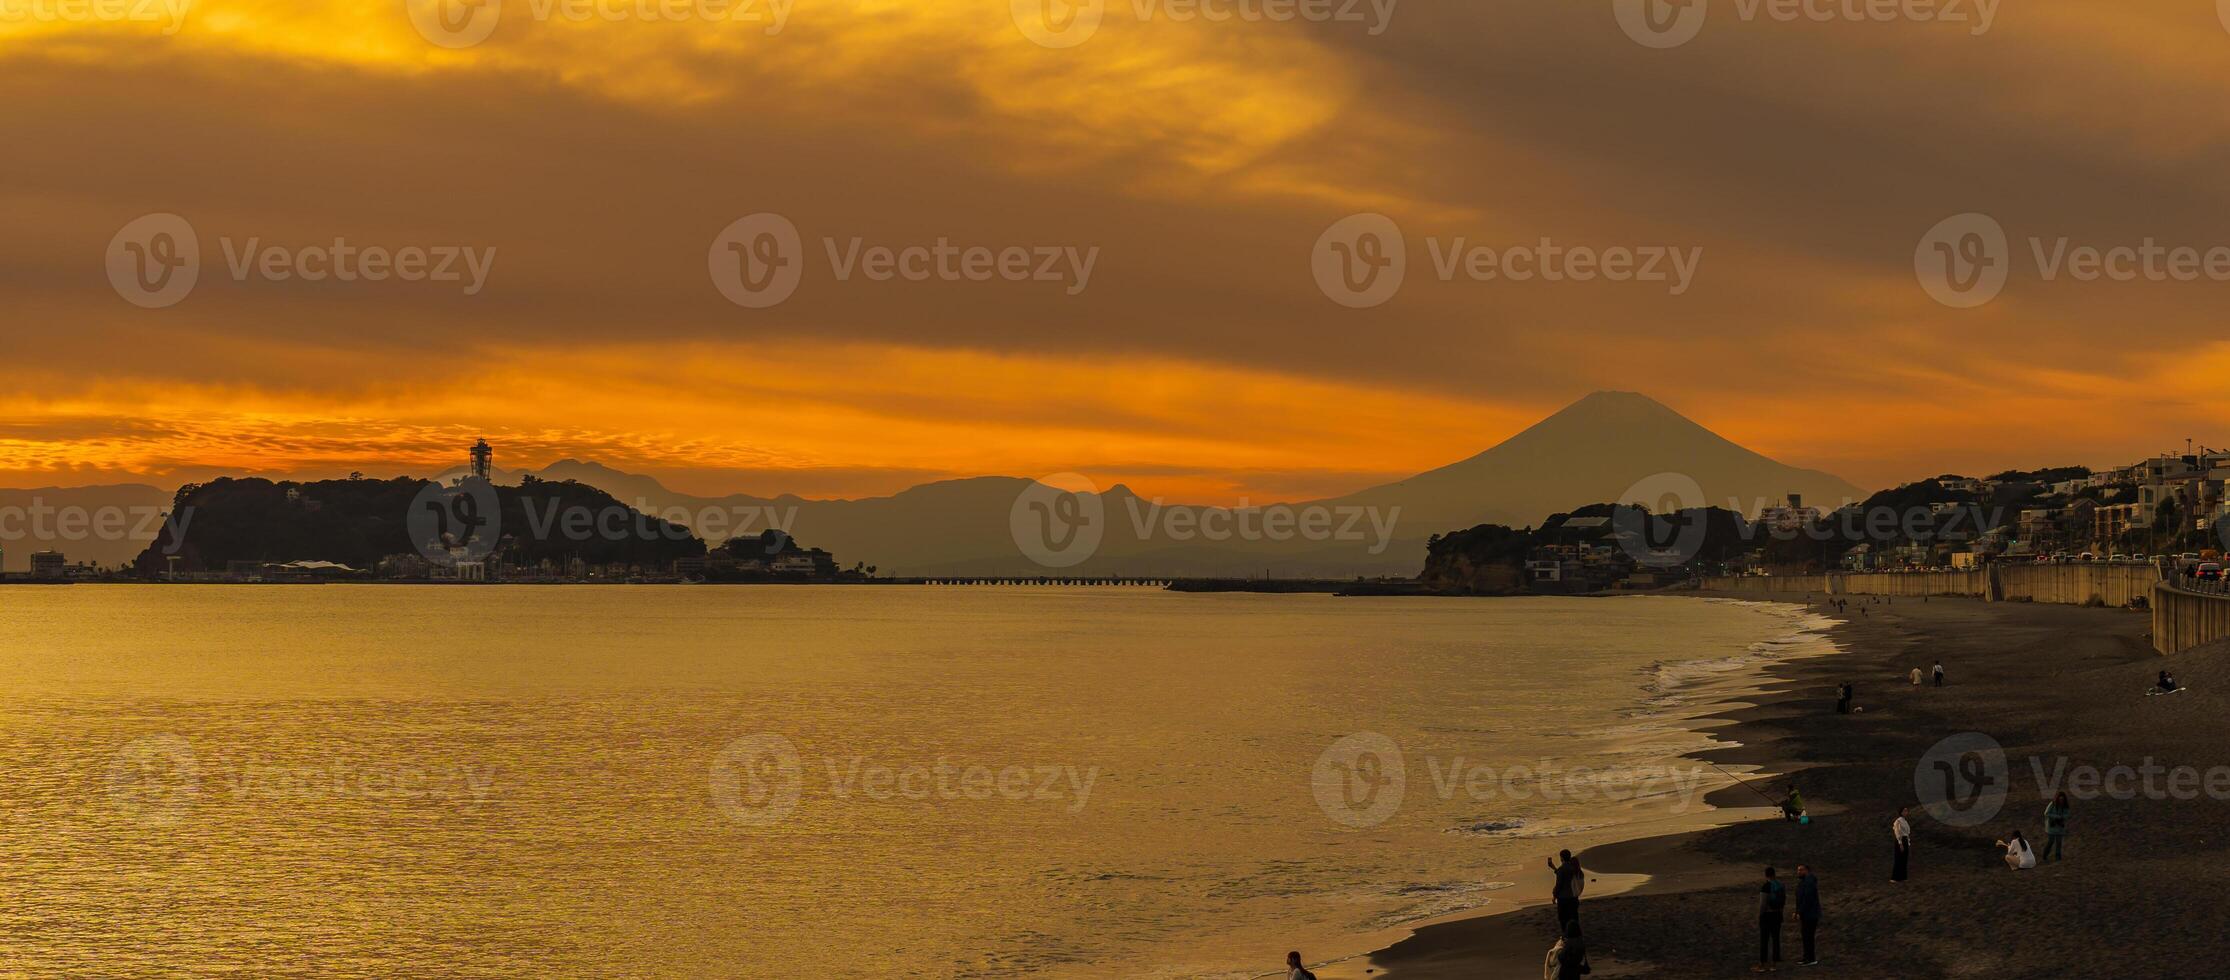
(1637, 856)
(1692, 915)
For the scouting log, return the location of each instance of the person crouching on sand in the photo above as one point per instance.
(1568, 958)
(1293, 968)
(2166, 684)
(2018, 855)
(1792, 806)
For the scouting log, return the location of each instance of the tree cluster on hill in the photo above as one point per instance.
(357, 522)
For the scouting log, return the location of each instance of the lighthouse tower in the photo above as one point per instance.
(483, 462)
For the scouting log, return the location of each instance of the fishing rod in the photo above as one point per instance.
(1745, 783)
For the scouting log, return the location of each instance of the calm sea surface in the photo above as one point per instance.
(700, 782)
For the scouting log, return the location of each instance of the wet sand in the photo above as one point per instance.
(2139, 896)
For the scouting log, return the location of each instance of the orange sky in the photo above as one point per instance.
(1198, 161)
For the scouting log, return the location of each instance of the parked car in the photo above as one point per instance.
(2209, 571)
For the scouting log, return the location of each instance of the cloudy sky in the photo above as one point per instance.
(601, 151)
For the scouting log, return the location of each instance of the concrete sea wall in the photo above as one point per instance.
(2182, 619)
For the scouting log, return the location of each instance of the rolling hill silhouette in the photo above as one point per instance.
(1606, 447)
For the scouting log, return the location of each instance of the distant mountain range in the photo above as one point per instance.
(1607, 447)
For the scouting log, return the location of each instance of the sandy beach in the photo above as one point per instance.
(2137, 896)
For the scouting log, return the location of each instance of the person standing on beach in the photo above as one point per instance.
(1293, 968)
(1570, 881)
(1916, 678)
(1772, 898)
(1902, 833)
(2055, 829)
(1808, 913)
(1843, 698)
(1939, 672)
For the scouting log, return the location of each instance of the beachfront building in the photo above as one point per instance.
(48, 564)
(2110, 521)
(1793, 516)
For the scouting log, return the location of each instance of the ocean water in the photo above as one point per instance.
(829, 782)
